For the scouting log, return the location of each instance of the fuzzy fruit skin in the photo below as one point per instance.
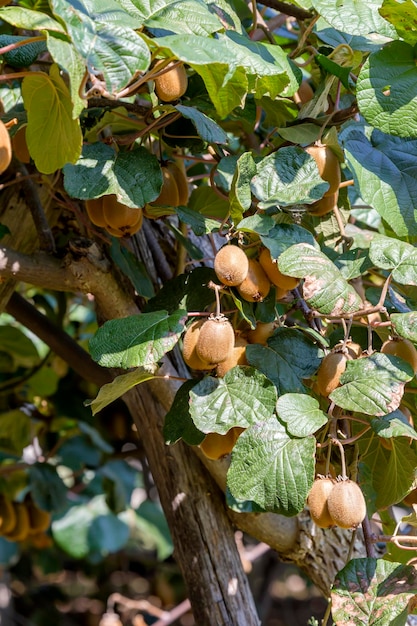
(216, 340)
(276, 277)
(325, 205)
(231, 265)
(402, 348)
(354, 349)
(39, 520)
(171, 85)
(304, 93)
(21, 529)
(19, 145)
(329, 373)
(328, 166)
(5, 148)
(189, 343)
(317, 502)
(169, 191)
(94, 208)
(238, 357)
(120, 220)
(346, 504)
(181, 181)
(214, 446)
(262, 332)
(255, 287)
(7, 515)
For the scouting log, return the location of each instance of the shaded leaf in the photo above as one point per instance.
(403, 16)
(283, 236)
(178, 423)
(201, 225)
(46, 487)
(301, 414)
(394, 424)
(120, 385)
(131, 267)
(240, 193)
(271, 469)
(399, 257)
(207, 128)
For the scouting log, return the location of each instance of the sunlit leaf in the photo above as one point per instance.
(301, 414)
(111, 391)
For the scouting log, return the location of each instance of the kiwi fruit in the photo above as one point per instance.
(403, 348)
(20, 531)
(262, 332)
(255, 287)
(317, 502)
(189, 343)
(216, 340)
(330, 371)
(231, 265)
(304, 93)
(354, 349)
(323, 206)
(39, 520)
(411, 498)
(120, 220)
(5, 148)
(276, 277)
(19, 145)
(7, 515)
(237, 357)
(346, 504)
(94, 208)
(173, 84)
(215, 446)
(328, 166)
(169, 194)
(127, 231)
(178, 172)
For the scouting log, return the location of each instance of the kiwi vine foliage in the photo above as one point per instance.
(92, 113)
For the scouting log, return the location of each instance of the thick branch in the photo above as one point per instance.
(288, 9)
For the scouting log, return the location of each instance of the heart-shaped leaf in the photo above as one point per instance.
(397, 256)
(301, 414)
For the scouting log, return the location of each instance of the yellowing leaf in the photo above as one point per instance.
(53, 137)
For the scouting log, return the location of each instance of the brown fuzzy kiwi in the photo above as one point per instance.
(276, 277)
(117, 214)
(189, 343)
(214, 446)
(402, 348)
(127, 231)
(255, 287)
(169, 194)
(5, 148)
(181, 181)
(216, 340)
(238, 357)
(94, 208)
(304, 93)
(262, 332)
(231, 265)
(39, 519)
(173, 84)
(330, 371)
(328, 165)
(7, 515)
(354, 349)
(323, 206)
(21, 529)
(346, 504)
(317, 502)
(19, 145)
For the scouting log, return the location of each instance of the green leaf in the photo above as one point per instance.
(120, 385)
(399, 257)
(244, 396)
(287, 176)
(154, 530)
(355, 17)
(24, 55)
(50, 123)
(137, 340)
(301, 414)
(207, 128)
(259, 223)
(324, 287)
(66, 56)
(394, 195)
(240, 193)
(288, 358)
(200, 225)
(178, 423)
(135, 176)
(107, 534)
(373, 591)
(106, 41)
(271, 469)
(283, 236)
(30, 20)
(46, 487)
(394, 424)
(373, 385)
(206, 201)
(403, 16)
(335, 69)
(18, 345)
(131, 267)
(16, 429)
(405, 325)
(386, 90)
(177, 16)
(188, 291)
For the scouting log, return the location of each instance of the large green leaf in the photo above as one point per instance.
(30, 20)
(287, 176)
(402, 14)
(356, 17)
(135, 176)
(405, 325)
(373, 385)
(67, 57)
(283, 236)
(120, 385)
(288, 358)
(50, 121)
(22, 350)
(103, 35)
(373, 592)
(301, 414)
(385, 173)
(394, 424)
(176, 16)
(397, 256)
(207, 128)
(244, 396)
(271, 469)
(137, 340)
(47, 488)
(178, 423)
(387, 90)
(324, 287)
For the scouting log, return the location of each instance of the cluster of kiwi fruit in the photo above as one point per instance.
(174, 191)
(24, 520)
(329, 170)
(118, 219)
(336, 502)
